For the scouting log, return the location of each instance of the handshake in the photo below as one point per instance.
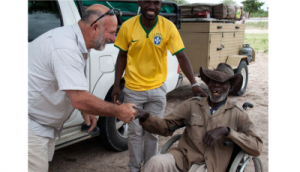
(128, 112)
(141, 114)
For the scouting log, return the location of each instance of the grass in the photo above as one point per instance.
(257, 25)
(260, 42)
(260, 14)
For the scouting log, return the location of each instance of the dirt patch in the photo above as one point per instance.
(90, 156)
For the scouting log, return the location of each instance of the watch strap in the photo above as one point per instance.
(196, 84)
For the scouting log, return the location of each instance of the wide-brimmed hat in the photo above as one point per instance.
(223, 73)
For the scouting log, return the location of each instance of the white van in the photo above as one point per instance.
(46, 15)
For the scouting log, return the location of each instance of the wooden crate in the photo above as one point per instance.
(203, 42)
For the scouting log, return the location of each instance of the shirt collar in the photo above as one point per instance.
(208, 99)
(79, 38)
(228, 104)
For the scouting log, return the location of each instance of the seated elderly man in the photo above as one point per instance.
(210, 121)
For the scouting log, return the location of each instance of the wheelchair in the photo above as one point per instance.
(239, 162)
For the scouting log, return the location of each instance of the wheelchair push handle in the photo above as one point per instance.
(247, 104)
(227, 143)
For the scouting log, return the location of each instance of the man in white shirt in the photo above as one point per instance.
(57, 82)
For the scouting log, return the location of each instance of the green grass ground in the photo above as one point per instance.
(258, 41)
(260, 14)
(257, 25)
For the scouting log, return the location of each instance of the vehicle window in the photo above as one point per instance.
(42, 16)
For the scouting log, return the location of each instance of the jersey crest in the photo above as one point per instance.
(157, 39)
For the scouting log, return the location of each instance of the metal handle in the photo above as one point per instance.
(246, 45)
(219, 27)
(219, 49)
(237, 27)
(227, 143)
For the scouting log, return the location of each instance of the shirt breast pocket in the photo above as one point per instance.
(195, 127)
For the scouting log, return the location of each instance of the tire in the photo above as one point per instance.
(260, 164)
(113, 132)
(169, 143)
(243, 70)
(239, 161)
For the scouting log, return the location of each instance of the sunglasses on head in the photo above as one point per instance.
(110, 12)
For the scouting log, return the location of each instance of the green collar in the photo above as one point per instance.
(147, 32)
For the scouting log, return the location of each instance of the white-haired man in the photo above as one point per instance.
(57, 82)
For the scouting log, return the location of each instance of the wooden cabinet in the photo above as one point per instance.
(209, 43)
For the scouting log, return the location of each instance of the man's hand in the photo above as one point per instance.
(116, 94)
(211, 136)
(126, 112)
(198, 90)
(141, 113)
(90, 119)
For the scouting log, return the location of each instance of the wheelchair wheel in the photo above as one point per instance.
(246, 163)
(169, 143)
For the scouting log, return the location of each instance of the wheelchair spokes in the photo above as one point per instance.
(248, 164)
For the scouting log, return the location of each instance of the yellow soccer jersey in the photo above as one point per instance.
(146, 66)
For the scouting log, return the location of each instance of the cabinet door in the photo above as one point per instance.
(215, 50)
(233, 42)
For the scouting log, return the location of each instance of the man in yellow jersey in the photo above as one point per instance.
(144, 41)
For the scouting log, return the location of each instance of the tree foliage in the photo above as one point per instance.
(252, 5)
(229, 2)
(179, 2)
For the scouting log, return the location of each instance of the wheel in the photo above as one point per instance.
(245, 163)
(114, 132)
(243, 70)
(169, 143)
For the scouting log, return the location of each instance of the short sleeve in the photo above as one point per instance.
(175, 44)
(68, 68)
(121, 40)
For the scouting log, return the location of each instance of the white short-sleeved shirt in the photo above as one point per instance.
(57, 61)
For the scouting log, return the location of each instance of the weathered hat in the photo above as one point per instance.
(223, 73)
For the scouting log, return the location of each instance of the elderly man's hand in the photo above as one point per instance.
(197, 90)
(90, 120)
(211, 136)
(141, 113)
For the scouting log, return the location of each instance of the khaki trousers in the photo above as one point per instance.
(153, 101)
(166, 163)
(40, 152)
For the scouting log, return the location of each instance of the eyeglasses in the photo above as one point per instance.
(110, 12)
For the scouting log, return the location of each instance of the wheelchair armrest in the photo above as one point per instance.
(176, 127)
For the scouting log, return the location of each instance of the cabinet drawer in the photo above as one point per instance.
(221, 27)
(226, 27)
(194, 27)
(239, 27)
(211, 27)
